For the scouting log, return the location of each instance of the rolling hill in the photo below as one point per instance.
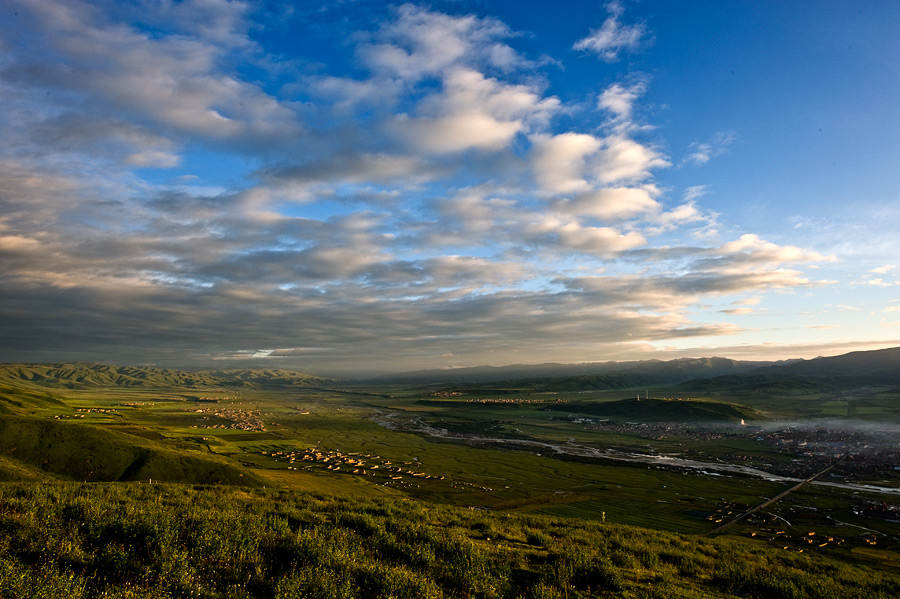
(70, 451)
(82, 375)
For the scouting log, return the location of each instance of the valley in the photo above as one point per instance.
(656, 459)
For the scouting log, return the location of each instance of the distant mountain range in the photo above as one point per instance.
(856, 369)
(82, 375)
(602, 374)
(690, 375)
(687, 375)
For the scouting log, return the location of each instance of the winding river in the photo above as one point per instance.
(417, 426)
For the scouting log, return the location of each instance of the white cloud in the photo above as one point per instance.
(432, 203)
(683, 214)
(473, 111)
(568, 234)
(613, 203)
(623, 160)
(613, 37)
(701, 153)
(559, 161)
(576, 162)
(620, 100)
(153, 158)
(421, 43)
(749, 301)
(750, 249)
(344, 94)
(177, 82)
(223, 22)
(880, 283)
(455, 133)
(738, 311)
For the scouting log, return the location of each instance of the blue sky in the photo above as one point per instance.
(354, 187)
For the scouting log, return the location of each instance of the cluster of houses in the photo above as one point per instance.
(352, 463)
(879, 510)
(789, 542)
(872, 455)
(245, 420)
(83, 411)
(777, 531)
(512, 400)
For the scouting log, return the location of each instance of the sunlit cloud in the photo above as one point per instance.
(613, 37)
(174, 187)
(883, 270)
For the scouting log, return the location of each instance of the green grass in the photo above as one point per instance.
(78, 451)
(539, 505)
(138, 540)
(661, 410)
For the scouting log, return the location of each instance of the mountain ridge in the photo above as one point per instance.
(714, 366)
(853, 369)
(85, 375)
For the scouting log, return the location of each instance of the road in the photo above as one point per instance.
(775, 499)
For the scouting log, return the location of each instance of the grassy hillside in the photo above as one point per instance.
(165, 541)
(661, 410)
(64, 450)
(13, 399)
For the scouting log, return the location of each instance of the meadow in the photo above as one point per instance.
(124, 540)
(196, 489)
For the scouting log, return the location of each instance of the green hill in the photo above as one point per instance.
(661, 410)
(70, 451)
(12, 398)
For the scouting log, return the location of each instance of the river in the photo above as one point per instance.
(417, 426)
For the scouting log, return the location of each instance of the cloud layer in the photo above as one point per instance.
(172, 190)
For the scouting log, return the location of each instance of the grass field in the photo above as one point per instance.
(125, 540)
(245, 437)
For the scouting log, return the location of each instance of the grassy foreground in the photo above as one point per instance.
(166, 540)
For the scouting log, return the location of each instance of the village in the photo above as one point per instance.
(512, 401)
(82, 411)
(872, 455)
(794, 528)
(402, 474)
(238, 419)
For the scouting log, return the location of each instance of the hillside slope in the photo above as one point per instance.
(76, 541)
(70, 451)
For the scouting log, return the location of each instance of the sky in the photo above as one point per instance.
(354, 186)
